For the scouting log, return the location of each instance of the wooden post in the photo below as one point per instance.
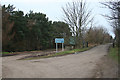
(56, 48)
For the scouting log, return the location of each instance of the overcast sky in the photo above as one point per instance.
(52, 8)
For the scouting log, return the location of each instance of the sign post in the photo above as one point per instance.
(62, 47)
(56, 47)
(72, 41)
(59, 40)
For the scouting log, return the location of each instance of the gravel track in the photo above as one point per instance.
(82, 65)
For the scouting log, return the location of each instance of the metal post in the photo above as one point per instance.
(56, 47)
(62, 47)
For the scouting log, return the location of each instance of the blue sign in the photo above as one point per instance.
(59, 40)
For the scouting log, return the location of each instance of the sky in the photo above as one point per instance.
(53, 9)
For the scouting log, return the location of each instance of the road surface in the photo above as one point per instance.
(83, 65)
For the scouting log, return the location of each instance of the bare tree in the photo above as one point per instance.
(97, 35)
(114, 7)
(77, 16)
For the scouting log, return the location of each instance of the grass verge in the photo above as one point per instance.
(59, 53)
(4, 53)
(7, 54)
(113, 53)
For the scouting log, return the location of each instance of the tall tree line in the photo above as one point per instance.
(32, 31)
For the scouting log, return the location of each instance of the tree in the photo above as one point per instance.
(77, 16)
(114, 6)
(32, 31)
(20, 30)
(39, 30)
(7, 26)
(61, 30)
(97, 35)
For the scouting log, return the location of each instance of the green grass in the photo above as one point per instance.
(113, 53)
(52, 55)
(7, 53)
(71, 51)
(82, 49)
(4, 53)
(59, 53)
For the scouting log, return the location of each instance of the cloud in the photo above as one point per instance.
(33, 1)
(44, 1)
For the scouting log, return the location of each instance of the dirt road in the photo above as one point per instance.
(82, 65)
